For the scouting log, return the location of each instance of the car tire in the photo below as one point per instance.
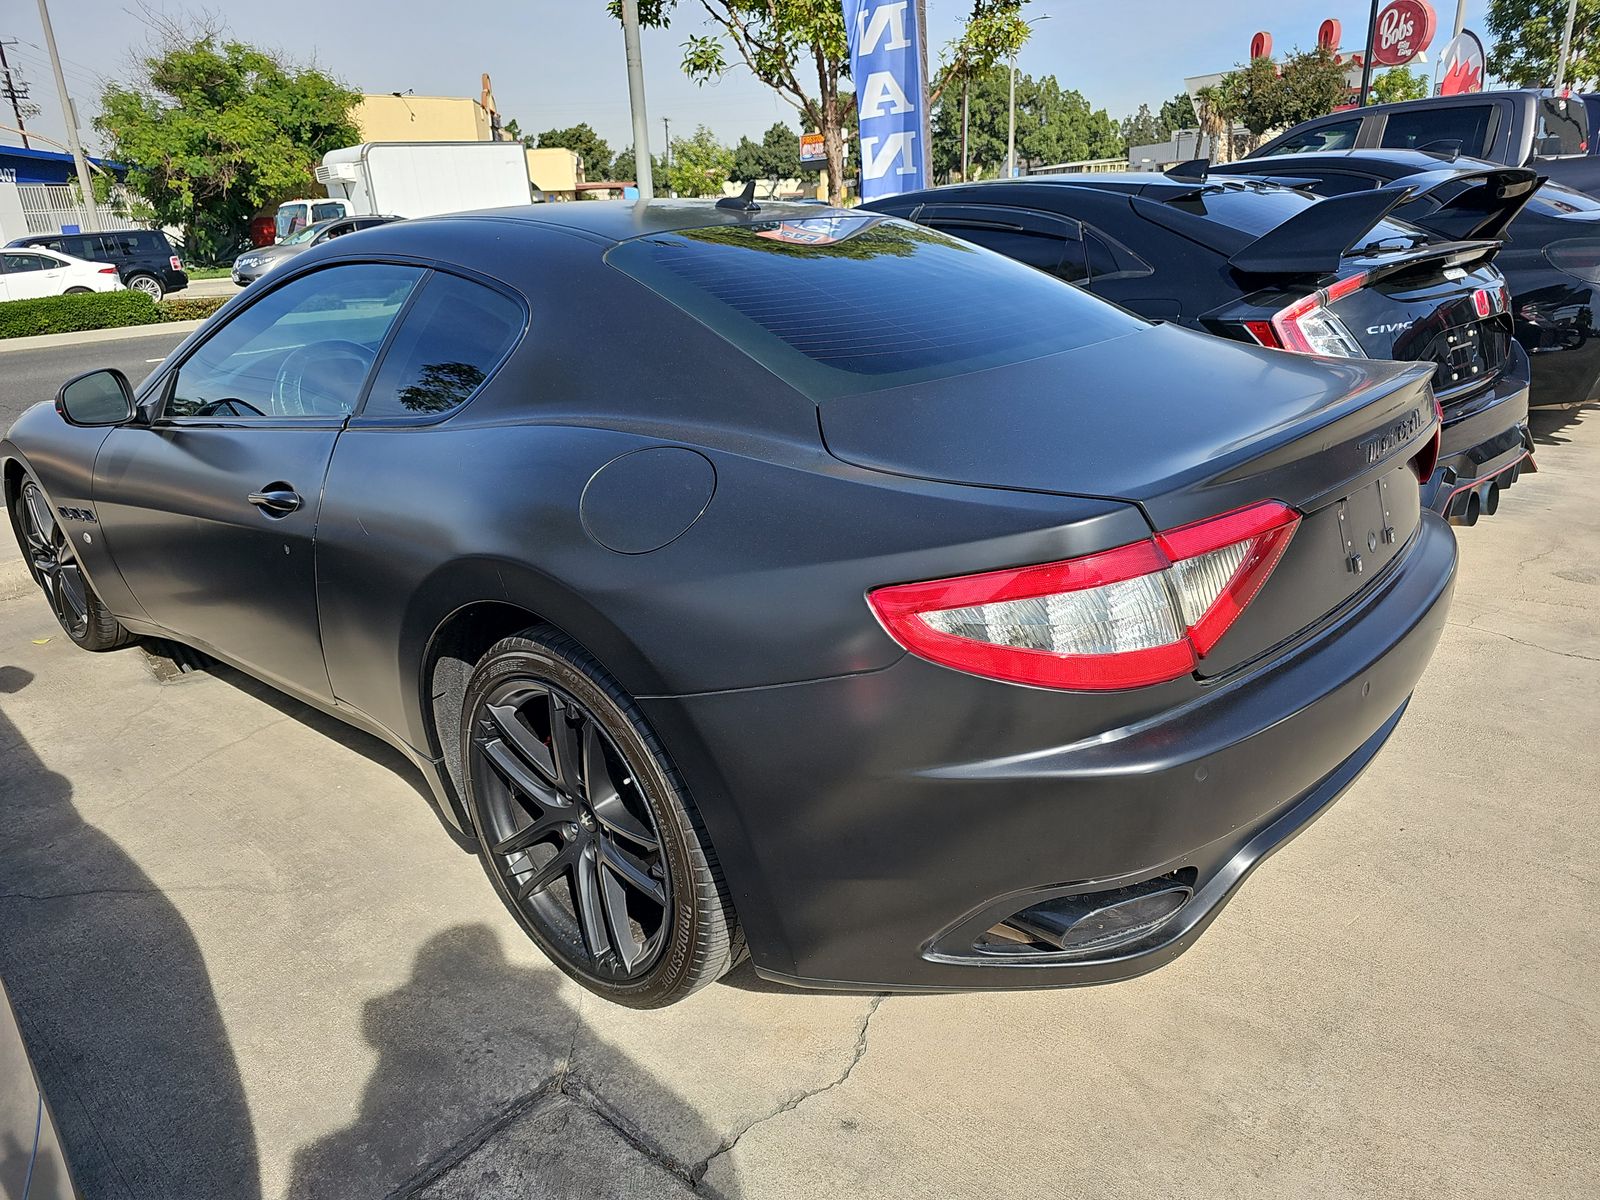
(148, 284)
(77, 291)
(586, 829)
(53, 563)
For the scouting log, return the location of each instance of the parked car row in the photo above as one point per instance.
(1375, 254)
(142, 259)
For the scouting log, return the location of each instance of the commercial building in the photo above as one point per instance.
(393, 117)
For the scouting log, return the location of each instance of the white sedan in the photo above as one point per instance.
(28, 273)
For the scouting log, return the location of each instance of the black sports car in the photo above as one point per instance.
(1257, 262)
(795, 579)
(1551, 256)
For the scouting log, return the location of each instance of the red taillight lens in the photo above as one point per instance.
(1428, 458)
(1308, 327)
(108, 270)
(177, 263)
(1129, 617)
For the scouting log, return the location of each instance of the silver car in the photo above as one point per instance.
(253, 264)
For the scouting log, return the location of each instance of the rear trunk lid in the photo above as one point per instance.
(1186, 426)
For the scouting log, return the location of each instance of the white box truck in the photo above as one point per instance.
(423, 179)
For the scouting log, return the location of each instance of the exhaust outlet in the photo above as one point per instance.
(1491, 498)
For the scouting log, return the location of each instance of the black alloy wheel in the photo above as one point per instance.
(585, 829)
(55, 567)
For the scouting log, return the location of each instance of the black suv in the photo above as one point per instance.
(144, 258)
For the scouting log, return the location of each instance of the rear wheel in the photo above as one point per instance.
(77, 291)
(149, 285)
(54, 566)
(585, 828)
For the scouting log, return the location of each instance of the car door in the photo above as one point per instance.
(210, 509)
(31, 274)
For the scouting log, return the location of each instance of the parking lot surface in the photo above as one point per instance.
(250, 963)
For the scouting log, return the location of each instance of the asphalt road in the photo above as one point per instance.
(28, 376)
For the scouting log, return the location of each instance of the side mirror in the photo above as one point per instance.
(97, 398)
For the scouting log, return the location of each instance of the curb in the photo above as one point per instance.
(46, 341)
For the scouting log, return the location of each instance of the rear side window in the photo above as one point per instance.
(1563, 127)
(326, 212)
(1470, 125)
(447, 346)
(1340, 135)
(17, 262)
(838, 305)
(1054, 255)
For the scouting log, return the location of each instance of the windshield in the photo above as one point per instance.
(306, 234)
(290, 218)
(1258, 208)
(844, 304)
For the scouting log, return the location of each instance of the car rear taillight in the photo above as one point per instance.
(1137, 615)
(1308, 326)
(1427, 458)
(108, 270)
(177, 263)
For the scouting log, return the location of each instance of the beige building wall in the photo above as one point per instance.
(555, 169)
(386, 118)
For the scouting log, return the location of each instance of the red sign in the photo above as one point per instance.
(1261, 46)
(1329, 35)
(811, 148)
(1405, 30)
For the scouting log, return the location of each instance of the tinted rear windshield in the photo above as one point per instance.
(844, 304)
(1258, 208)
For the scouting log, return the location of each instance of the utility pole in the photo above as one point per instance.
(1566, 47)
(1011, 123)
(965, 172)
(14, 91)
(91, 217)
(1461, 17)
(641, 120)
(1366, 59)
(666, 135)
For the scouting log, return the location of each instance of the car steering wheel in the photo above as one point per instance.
(230, 406)
(320, 379)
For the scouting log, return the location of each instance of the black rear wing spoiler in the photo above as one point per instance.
(1315, 240)
(1467, 205)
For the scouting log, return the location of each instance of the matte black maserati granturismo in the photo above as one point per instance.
(790, 579)
(1252, 260)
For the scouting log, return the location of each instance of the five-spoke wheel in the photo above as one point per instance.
(585, 829)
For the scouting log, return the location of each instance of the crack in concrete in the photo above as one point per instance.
(699, 1172)
(1476, 628)
(458, 1151)
(141, 891)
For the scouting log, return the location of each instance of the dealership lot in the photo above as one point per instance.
(249, 963)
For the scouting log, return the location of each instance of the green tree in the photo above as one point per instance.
(586, 143)
(1399, 84)
(1527, 41)
(1053, 125)
(787, 43)
(624, 168)
(1314, 85)
(212, 130)
(699, 165)
(775, 156)
(1178, 113)
(1143, 128)
(1266, 95)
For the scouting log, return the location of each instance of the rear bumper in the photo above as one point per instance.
(872, 827)
(1484, 438)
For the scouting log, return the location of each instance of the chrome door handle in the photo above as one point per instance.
(276, 501)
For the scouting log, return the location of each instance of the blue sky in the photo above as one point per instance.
(558, 62)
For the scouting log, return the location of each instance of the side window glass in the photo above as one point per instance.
(1341, 135)
(452, 338)
(1563, 127)
(1464, 124)
(302, 350)
(1054, 255)
(1111, 262)
(17, 263)
(326, 212)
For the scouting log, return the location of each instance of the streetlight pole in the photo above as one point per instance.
(1011, 125)
(1366, 59)
(91, 218)
(641, 120)
(1566, 46)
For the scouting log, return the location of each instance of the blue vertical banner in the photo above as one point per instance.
(886, 63)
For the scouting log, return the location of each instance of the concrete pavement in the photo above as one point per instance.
(250, 963)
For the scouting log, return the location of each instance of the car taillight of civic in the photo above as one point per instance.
(1137, 615)
(1308, 326)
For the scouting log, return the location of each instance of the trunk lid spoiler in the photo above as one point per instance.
(1467, 204)
(1315, 240)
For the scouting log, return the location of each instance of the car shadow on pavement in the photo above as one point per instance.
(471, 1032)
(115, 1000)
(1553, 426)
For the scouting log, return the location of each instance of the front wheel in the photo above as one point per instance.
(55, 568)
(586, 830)
(77, 291)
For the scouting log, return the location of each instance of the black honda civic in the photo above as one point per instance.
(791, 580)
(1258, 262)
(1551, 257)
